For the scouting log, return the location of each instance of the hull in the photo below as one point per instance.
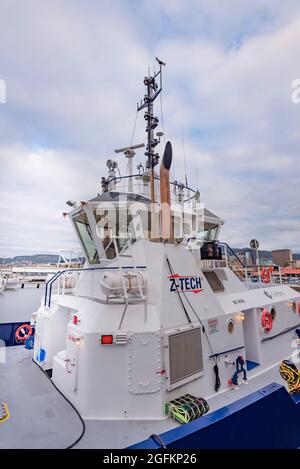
(252, 422)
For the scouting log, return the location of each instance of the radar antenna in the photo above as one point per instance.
(129, 154)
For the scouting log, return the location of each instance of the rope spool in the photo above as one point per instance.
(290, 373)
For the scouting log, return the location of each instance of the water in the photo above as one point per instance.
(18, 305)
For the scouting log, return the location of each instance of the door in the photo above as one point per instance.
(251, 337)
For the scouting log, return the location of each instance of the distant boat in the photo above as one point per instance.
(11, 283)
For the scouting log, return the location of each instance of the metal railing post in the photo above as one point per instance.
(226, 255)
(48, 284)
(93, 285)
(259, 276)
(280, 275)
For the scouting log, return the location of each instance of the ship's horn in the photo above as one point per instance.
(165, 197)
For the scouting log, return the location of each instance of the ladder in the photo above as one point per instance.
(135, 274)
(234, 262)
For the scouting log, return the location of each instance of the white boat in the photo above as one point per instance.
(12, 282)
(2, 284)
(9, 282)
(160, 315)
(18, 275)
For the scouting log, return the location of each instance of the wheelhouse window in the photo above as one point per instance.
(190, 225)
(114, 228)
(209, 233)
(85, 234)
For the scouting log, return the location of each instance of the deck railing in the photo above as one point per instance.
(252, 275)
(135, 183)
(56, 277)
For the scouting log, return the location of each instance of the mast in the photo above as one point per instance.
(153, 90)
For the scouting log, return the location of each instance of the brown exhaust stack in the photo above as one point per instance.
(165, 197)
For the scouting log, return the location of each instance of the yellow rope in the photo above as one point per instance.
(291, 375)
(7, 414)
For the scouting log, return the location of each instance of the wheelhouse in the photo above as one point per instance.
(110, 222)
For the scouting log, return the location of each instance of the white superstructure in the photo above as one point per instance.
(158, 310)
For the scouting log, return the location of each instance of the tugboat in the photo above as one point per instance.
(161, 342)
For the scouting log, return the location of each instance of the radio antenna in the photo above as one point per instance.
(184, 159)
(152, 92)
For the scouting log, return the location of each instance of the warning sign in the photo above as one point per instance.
(213, 326)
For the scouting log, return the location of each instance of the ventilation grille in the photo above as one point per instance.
(121, 338)
(185, 355)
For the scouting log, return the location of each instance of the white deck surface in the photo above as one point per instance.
(42, 418)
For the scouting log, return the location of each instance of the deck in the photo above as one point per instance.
(42, 418)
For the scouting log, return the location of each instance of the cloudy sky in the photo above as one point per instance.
(73, 72)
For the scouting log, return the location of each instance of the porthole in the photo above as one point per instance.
(230, 326)
(273, 313)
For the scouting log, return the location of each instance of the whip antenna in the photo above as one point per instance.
(184, 158)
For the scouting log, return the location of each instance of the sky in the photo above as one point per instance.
(73, 73)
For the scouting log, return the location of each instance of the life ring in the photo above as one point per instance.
(266, 320)
(23, 332)
(266, 274)
(299, 307)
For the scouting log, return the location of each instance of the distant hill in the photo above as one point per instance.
(53, 258)
(263, 254)
(35, 258)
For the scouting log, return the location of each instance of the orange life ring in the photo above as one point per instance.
(22, 330)
(266, 274)
(266, 320)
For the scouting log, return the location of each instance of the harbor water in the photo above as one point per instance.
(19, 304)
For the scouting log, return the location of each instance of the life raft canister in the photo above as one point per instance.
(266, 320)
(23, 332)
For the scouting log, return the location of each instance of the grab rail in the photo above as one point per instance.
(49, 283)
(173, 183)
(233, 253)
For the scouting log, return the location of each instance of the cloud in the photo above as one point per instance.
(2, 92)
(73, 74)
(35, 185)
